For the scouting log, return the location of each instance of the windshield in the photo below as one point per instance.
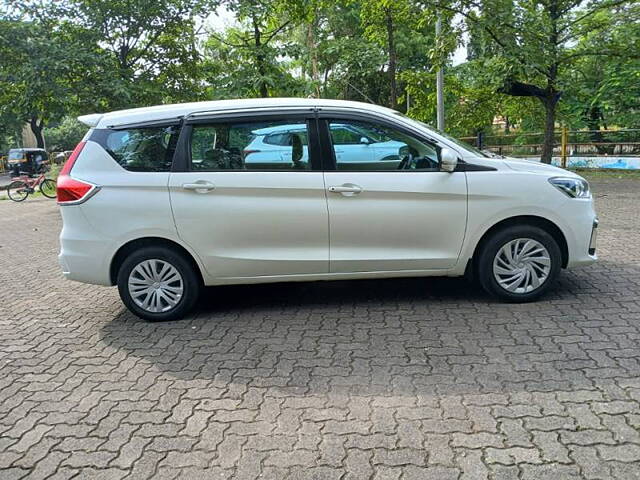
(15, 154)
(459, 143)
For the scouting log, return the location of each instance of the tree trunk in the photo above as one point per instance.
(393, 58)
(594, 117)
(552, 96)
(549, 98)
(313, 53)
(549, 127)
(260, 60)
(36, 128)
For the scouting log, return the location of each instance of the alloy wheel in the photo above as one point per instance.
(522, 265)
(155, 285)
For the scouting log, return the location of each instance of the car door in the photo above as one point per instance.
(405, 215)
(245, 220)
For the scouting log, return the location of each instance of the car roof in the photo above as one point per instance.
(169, 112)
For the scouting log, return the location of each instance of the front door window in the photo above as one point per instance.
(368, 146)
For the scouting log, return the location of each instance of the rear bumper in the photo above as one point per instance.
(82, 268)
(83, 253)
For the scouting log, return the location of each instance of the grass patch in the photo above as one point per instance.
(606, 173)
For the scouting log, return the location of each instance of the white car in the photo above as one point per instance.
(357, 144)
(162, 201)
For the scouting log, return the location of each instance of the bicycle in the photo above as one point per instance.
(19, 189)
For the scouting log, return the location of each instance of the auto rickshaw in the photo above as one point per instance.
(31, 161)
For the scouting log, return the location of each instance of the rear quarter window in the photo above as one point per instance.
(148, 149)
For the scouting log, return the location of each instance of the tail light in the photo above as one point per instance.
(68, 165)
(71, 191)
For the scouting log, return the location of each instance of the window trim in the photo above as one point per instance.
(182, 156)
(326, 116)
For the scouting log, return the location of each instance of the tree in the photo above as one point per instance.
(604, 91)
(350, 64)
(152, 44)
(231, 68)
(66, 135)
(43, 73)
(470, 105)
(259, 39)
(533, 43)
(381, 19)
(405, 33)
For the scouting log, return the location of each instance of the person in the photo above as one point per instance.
(38, 161)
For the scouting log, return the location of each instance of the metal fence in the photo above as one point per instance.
(584, 143)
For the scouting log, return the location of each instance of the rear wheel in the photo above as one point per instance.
(158, 284)
(18, 191)
(48, 188)
(519, 263)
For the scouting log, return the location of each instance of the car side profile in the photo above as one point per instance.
(162, 201)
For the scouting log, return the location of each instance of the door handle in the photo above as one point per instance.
(200, 186)
(346, 189)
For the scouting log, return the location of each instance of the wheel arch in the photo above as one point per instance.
(545, 224)
(138, 243)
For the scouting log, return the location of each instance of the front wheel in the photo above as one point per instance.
(158, 284)
(48, 188)
(519, 263)
(18, 191)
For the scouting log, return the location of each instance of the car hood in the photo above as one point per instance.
(534, 166)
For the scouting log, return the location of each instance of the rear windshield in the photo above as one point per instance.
(148, 149)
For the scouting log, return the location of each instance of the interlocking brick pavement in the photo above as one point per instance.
(393, 379)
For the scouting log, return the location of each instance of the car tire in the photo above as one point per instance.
(158, 284)
(519, 263)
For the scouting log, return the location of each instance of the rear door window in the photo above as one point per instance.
(148, 149)
(253, 145)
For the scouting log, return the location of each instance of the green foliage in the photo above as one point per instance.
(604, 90)
(61, 58)
(64, 136)
(469, 109)
(252, 59)
(44, 72)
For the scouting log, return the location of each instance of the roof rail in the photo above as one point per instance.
(225, 111)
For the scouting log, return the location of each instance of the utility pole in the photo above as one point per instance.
(439, 80)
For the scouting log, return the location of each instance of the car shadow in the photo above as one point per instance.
(333, 293)
(416, 336)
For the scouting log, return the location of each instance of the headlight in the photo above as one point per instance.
(573, 187)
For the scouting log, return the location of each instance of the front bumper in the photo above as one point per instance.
(581, 230)
(594, 235)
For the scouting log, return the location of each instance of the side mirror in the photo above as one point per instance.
(364, 140)
(448, 160)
